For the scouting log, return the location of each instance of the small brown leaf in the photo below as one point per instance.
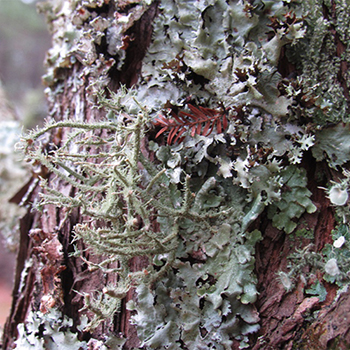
(200, 121)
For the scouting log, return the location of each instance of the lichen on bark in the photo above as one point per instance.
(189, 209)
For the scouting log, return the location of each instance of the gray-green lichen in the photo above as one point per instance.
(127, 191)
(204, 304)
(48, 331)
(332, 262)
(54, 331)
(217, 52)
(190, 210)
(323, 56)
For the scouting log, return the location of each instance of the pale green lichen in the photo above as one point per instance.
(338, 196)
(333, 144)
(321, 56)
(203, 304)
(323, 89)
(125, 190)
(54, 331)
(217, 52)
(332, 262)
(293, 202)
(48, 331)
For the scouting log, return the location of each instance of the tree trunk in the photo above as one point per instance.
(181, 194)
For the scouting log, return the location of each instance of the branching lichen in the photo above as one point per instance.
(123, 195)
(332, 262)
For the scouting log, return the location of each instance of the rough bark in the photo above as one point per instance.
(283, 314)
(45, 238)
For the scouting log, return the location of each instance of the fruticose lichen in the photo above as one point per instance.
(332, 262)
(190, 209)
(126, 192)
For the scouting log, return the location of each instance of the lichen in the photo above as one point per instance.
(125, 190)
(332, 262)
(323, 56)
(190, 210)
(292, 203)
(203, 304)
(48, 331)
(217, 52)
(333, 145)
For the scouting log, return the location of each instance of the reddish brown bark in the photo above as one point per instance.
(283, 314)
(54, 276)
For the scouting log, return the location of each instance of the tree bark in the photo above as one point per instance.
(105, 51)
(283, 315)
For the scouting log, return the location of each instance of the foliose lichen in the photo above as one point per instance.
(332, 263)
(48, 331)
(129, 193)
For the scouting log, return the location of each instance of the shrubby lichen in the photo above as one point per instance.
(128, 192)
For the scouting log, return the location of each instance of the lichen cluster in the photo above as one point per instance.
(130, 195)
(48, 330)
(333, 260)
(323, 56)
(190, 209)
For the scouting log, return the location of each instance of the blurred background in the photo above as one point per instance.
(24, 40)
